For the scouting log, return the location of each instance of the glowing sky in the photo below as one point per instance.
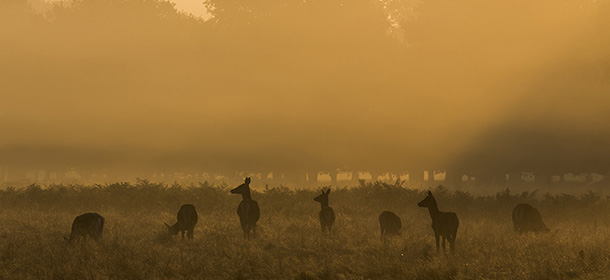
(194, 7)
(307, 85)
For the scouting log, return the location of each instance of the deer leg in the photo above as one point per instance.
(182, 233)
(437, 236)
(452, 243)
(190, 233)
(453, 236)
(248, 228)
(444, 238)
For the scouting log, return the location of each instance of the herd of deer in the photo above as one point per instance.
(445, 224)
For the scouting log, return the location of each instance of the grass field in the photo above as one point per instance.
(34, 222)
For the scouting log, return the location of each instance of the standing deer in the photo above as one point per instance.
(327, 215)
(187, 218)
(527, 219)
(247, 210)
(88, 224)
(389, 223)
(445, 224)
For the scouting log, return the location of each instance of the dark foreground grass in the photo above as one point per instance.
(289, 243)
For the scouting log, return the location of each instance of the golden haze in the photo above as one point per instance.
(130, 88)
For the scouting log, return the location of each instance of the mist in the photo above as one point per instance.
(133, 88)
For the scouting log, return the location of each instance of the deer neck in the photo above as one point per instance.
(246, 195)
(434, 212)
(323, 204)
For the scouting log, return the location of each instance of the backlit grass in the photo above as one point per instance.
(289, 243)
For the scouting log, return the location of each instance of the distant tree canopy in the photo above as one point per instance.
(298, 85)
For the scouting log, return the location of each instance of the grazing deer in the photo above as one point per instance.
(247, 210)
(327, 215)
(389, 223)
(88, 224)
(527, 219)
(445, 224)
(187, 218)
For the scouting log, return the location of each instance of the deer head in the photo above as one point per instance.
(323, 198)
(243, 189)
(428, 201)
(172, 230)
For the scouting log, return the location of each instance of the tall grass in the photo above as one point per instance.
(35, 220)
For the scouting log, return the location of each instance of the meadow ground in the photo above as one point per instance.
(289, 245)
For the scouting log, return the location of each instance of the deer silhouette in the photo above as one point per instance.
(444, 224)
(327, 215)
(389, 224)
(187, 218)
(88, 224)
(527, 219)
(248, 210)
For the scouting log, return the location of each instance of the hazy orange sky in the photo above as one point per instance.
(194, 7)
(307, 86)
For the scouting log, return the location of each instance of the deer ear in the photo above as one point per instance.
(328, 191)
(166, 225)
(429, 193)
(247, 180)
(322, 191)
